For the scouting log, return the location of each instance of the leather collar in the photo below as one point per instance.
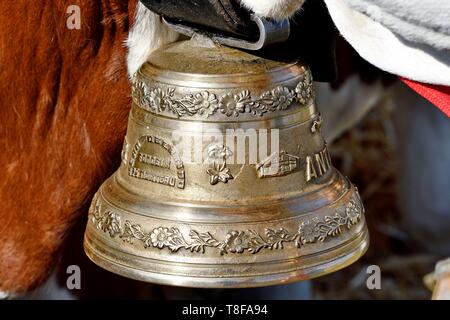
(225, 17)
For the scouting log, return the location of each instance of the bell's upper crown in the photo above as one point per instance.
(199, 80)
(206, 58)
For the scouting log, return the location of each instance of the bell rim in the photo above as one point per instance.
(313, 244)
(358, 247)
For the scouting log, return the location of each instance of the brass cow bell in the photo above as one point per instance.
(225, 179)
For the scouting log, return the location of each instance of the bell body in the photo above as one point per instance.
(225, 179)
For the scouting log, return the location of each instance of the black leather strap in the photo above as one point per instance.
(225, 17)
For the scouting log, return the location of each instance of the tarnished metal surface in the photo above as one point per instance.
(226, 180)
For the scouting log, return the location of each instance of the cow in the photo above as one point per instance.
(64, 100)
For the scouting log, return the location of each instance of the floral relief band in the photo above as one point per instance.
(235, 242)
(159, 100)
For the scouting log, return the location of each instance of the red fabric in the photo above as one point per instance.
(437, 95)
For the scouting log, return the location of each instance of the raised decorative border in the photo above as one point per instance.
(250, 241)
(159, 100)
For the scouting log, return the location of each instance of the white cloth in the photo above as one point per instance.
(417, 21)
(409, 38)
(396, 54)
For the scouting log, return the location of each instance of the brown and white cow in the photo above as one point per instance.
(64, 99)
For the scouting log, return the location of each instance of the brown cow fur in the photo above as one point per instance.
(64, 100)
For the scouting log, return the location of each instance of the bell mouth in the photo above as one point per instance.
(235, 254)
(334, 261)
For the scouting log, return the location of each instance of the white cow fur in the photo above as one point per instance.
(149, 32)
(275, 9)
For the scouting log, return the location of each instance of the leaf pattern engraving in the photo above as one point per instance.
(161, 100)
(235, 241)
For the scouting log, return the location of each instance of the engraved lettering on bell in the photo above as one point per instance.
(154, 160)
(155, 167)
(317, 165)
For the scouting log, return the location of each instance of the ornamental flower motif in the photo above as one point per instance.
(308, 231)
(205, 103)
(219, 152)
(236, 241)
(219, 174)
(160, 99)
(353, 212)
(109, 222)
(282, 98)
(234, 104)
(160, 237)
(139, 93)
(304, 90)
